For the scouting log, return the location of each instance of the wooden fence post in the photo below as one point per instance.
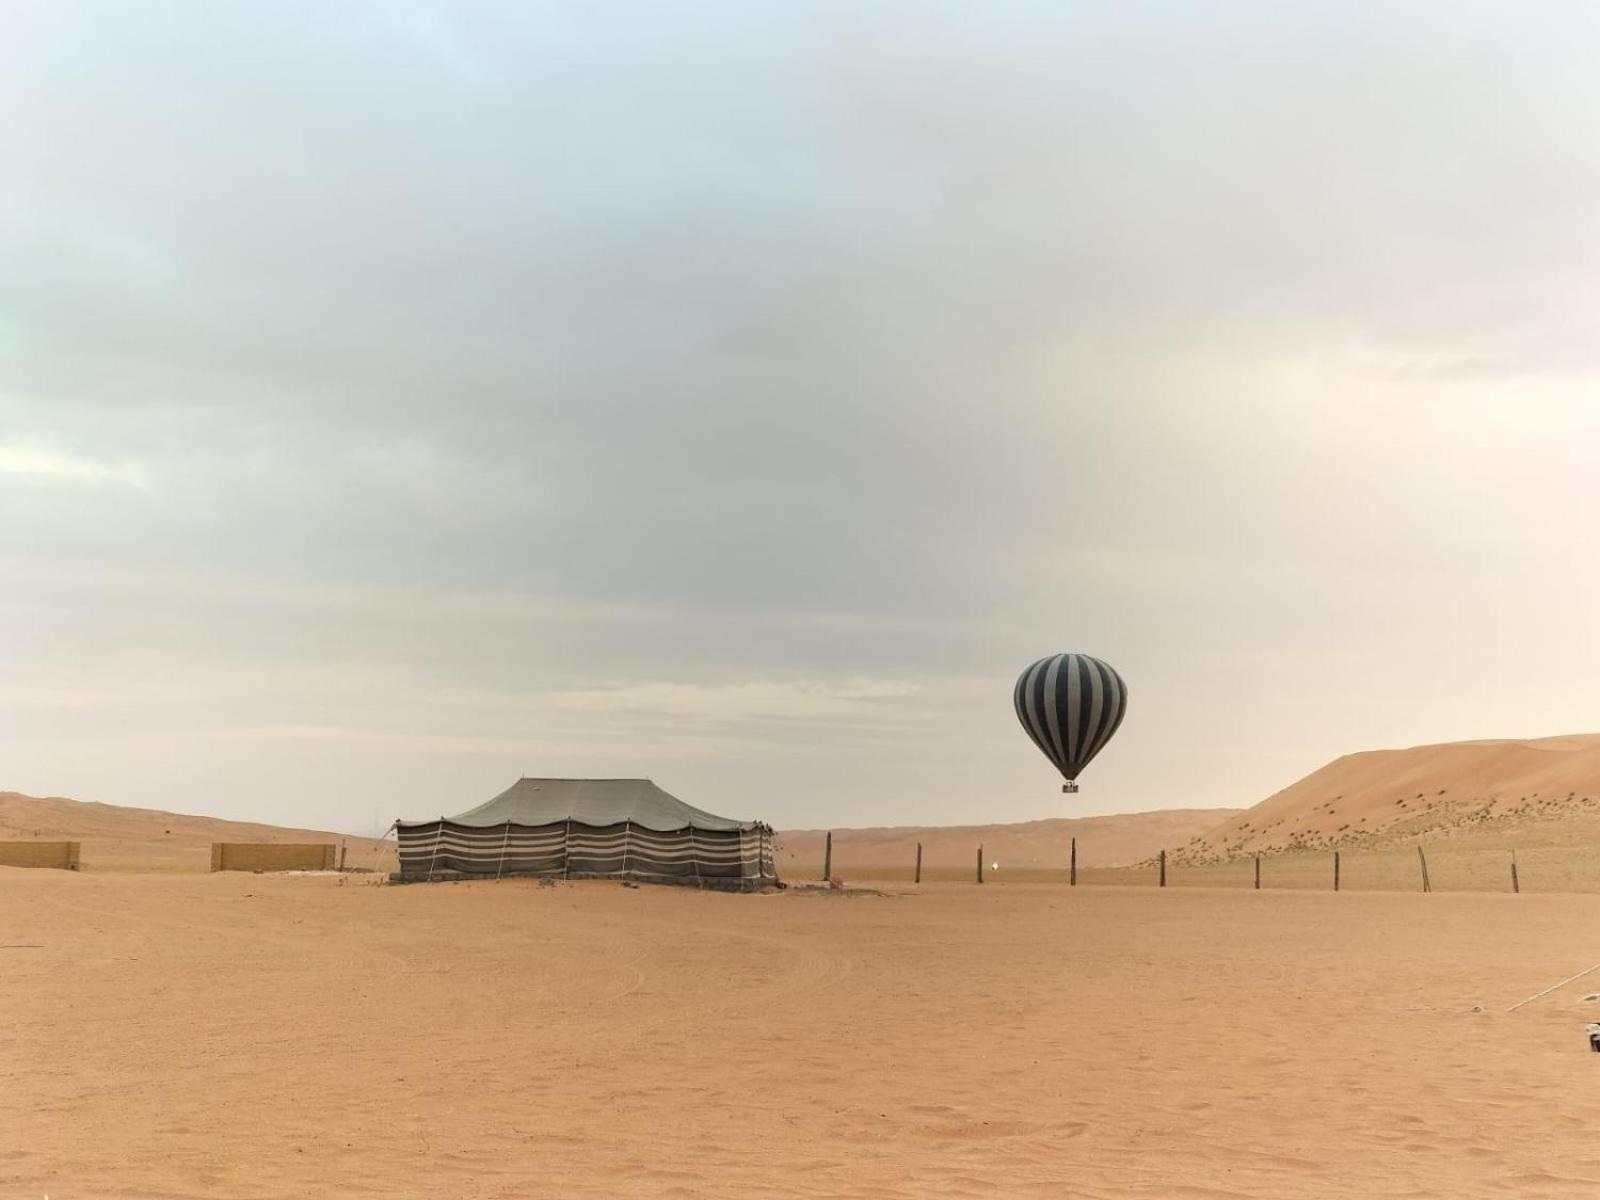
(343, 846)
(1163, 868)
(1515, 885)
(827, 858)
(1423, 859)
(1258, 872)
(1336, 870)
(918, 877)
(1072, 876)
(980, 864)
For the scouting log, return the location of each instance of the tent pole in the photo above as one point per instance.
(627, 834)
(566, 852)
(694, 854)
(438, 840)
(500, 869)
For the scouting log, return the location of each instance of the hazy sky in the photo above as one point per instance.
(396, 399)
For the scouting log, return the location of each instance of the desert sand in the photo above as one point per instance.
(173, 1033)
(194, 1035)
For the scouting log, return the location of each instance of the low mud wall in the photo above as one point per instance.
(273, 856)
(63, 856)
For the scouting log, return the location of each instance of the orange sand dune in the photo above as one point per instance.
(1544, 792)
(1107, 841)
(146, 839)
(194, 1035)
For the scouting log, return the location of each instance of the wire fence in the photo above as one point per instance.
(1449, 868)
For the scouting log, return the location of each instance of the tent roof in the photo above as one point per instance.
(593, 802)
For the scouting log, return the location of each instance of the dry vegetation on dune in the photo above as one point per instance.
(1540, 795)
(143, 839)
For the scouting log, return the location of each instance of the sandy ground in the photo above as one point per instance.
(264, 1036)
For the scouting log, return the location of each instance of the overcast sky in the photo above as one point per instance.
(396, 399)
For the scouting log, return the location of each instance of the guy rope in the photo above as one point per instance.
(1554, 987)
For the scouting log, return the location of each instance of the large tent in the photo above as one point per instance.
(589, 829)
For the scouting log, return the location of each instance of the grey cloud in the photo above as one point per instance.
(536, 352)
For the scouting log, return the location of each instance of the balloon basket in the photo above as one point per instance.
(1069, 788)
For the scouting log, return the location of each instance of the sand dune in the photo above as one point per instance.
(1544, 792)
(191, 1035)
(1106, 841)
(116, 838)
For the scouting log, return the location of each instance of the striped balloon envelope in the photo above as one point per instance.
(1070, 705)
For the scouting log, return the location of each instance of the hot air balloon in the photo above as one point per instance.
(1070, 705)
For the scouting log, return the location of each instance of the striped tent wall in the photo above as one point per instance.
(446, 850)
(1070, 705)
